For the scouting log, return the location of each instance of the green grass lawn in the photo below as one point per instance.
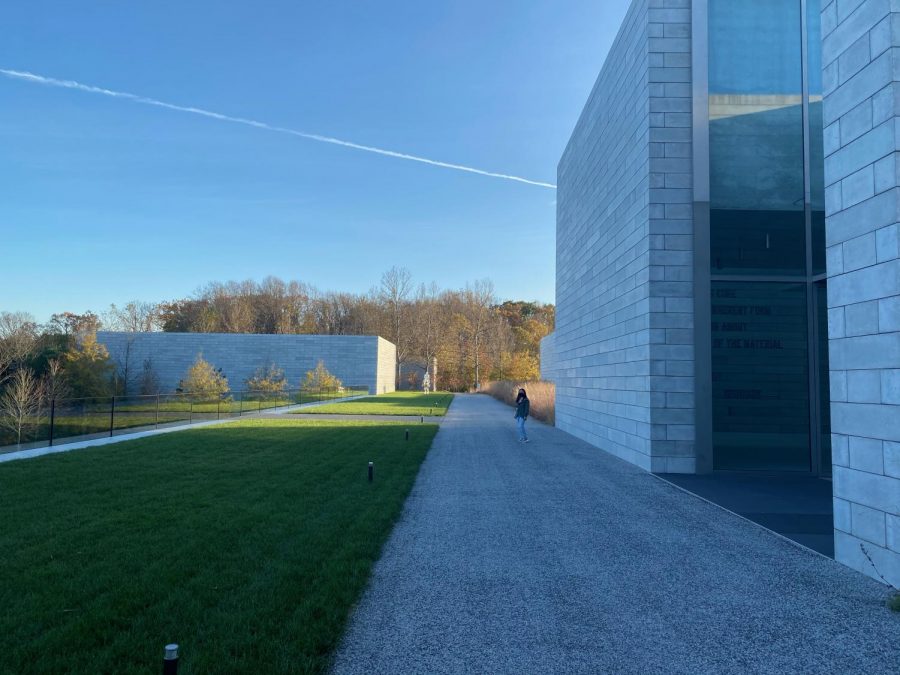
(397, 403)
(85, 417)
(245, 543)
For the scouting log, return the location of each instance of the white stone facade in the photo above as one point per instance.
(357, 360)
(623, 346)
(861, 64)
(622, 356)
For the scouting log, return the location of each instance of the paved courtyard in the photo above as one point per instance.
(556, 557)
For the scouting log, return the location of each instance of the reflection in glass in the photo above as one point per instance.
(824, 380)
(759, 216)
(816, 134)
(757, 220)
(760, 376)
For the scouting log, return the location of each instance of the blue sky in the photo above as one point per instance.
(104, 200)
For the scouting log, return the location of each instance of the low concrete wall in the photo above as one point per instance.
(354, 359)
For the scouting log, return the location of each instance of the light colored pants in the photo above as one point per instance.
(520, 422)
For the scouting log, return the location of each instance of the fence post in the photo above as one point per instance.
(112, 415)
(241, 404)
(191, 412)
(52, 416)
(157, 410)
(219, 409)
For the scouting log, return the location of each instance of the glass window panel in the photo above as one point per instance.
(816, 143)
(814, 42)
(757, 221)
(818, 241)
(824, 379)
(760, 376)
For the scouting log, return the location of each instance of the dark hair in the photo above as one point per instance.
(521, 395)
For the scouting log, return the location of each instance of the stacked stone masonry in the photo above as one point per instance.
(861, 64)
(357, 360)
(622, 351)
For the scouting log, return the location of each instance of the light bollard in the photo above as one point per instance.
(407, 434)
(170, 660)
(371, 471)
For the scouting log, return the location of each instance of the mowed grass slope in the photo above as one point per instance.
(245, 543)
(396, 403)
(77, 417)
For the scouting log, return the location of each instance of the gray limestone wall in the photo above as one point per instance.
(354, 359)
(671, 238)
(548, 358)
(622, 353)
(861, 62)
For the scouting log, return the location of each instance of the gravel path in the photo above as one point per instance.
(556, 557)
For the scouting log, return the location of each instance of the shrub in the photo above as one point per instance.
(204, 381)
(542, 396)
(268, 379)
(319, 378)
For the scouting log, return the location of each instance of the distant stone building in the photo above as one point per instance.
(357, 360)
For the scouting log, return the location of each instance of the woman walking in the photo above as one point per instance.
(522, 407)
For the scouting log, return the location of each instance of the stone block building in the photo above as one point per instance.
(728, 252)
(357, 360)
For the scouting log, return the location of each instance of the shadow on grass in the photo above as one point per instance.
(247, 543)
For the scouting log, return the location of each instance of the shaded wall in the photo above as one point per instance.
(622, 352)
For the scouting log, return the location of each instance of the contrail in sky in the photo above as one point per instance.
(71, 84)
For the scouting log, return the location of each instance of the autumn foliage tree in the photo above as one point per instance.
(204, 381)
(319, 379)
(269, 379)
(88, 369)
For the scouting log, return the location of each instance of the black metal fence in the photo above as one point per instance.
(69, 420)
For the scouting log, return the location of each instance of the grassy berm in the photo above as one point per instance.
(246, 543)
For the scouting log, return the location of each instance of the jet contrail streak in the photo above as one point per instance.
(71, 84)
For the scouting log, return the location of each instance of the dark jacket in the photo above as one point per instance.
(522, 408)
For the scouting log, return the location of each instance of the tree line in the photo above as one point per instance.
(472, 336)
